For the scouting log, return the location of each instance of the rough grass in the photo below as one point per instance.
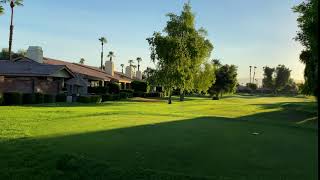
(237, 137)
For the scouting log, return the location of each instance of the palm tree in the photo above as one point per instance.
(82, 60)
(103, 41)
(122, 65)
(130, 62)
(1, 10)
(254, 73)
(111, 55)
(13, 3)
(250, 73)
(134, 68)
(139, 59)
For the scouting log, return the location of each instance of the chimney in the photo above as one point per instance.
(139, 75)
(109, 68)
(129, 71)
(35, 53)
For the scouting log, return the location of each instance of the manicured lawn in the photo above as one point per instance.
(196, 139)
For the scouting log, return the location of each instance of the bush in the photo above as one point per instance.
(113, 88)
(252, 86)
(61, 98)
(139, 86)
(48, 98)
(29, 99)
(12, 98)
(138, 94)
(215, 98)
(98, 90)
(106, 97)
(90, 99)
(1, 99)
(154, 94)
(126, 94)
(39, 98)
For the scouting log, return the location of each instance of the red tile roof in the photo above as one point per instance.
(89, 71)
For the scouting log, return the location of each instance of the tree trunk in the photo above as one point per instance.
(181, 95)
(169, 99)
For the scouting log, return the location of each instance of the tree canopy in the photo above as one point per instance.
(180, 51)
(308, 37)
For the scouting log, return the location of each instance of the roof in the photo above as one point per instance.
(26, 67)
(90, 72)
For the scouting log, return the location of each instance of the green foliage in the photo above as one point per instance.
(308, 22)
(282, 77)
(61, 98)
(113, 88)
(98, 90)
(180, 53)
(268, 80)
(90, 99)
(1, 99)
(226, 80)
(49, 98)
(139, 86)
(39, 98)
(29, 98)
(252, 86)
(204, 78)
(12, 98)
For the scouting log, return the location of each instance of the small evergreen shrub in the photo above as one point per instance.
(106, 97)
(29, 99)
(12, 98)
(215, 98)
(138, 94)
(49, 98)
(154, 94)
(90, 99)
(98, 90)
(61, 98)
(39, 98)
(139, 86)
(113, 88)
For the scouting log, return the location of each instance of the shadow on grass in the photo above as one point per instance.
(261, 146)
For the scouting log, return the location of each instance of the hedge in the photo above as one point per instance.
(61, 98)
(29, 99)
(138, 94)
(39, 98)
(154, 94)
(90, 99)
(113, 88)
(139, 86)
(12, 98)
(1, 99)
(98, 90)
(110, 97)
(48, 98)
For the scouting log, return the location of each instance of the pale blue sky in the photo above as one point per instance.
(244, 32)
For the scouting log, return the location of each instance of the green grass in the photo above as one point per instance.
(195, 139)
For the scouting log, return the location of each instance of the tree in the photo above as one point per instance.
(103, 41)
(82, 60)
(268, 81)
(122, 65)
(180, 51)
(4, 54)
(139, 59)
(205, 78)
(13, 3)
(308, 37)
(216, 63)
(130, 62)
(226, 81)
(111, 55)
(282, 77)
(1, 10)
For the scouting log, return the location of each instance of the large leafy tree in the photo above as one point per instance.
(226, 81)
(180, 51)
(308, 36)
(282, 77)
(268, 81)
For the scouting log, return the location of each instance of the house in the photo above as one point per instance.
(27, 76)
(36, 73)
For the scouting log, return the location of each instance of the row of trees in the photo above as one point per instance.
(278, 79)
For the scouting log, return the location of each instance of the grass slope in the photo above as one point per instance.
(143, 139)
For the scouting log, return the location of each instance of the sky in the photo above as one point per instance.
(243, 32)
